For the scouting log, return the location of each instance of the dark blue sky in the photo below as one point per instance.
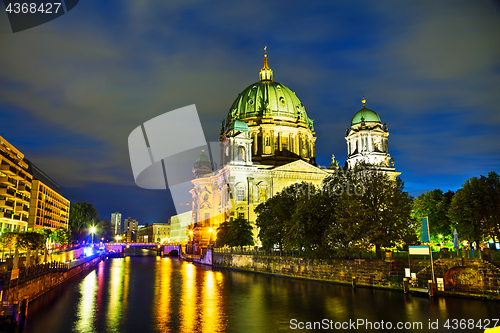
(72, 90)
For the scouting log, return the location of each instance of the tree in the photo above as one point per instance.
(475, 209)
(237, 232)
(241, 232)
(435, 205)
(373, 207)
(82, 216)
(223, 235)
(312, 220)
(104, 230)
(8, 240)
(60, 236)
(274, 218)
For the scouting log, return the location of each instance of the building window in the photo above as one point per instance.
(241, 153)
(241, 193)
(241, 215)
(262, 194)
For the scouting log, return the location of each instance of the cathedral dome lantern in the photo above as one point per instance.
(279, 126)
(202, 165)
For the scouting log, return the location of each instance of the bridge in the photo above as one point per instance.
(169, 250)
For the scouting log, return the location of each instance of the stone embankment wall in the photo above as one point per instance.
(41, 284)
(376, 273)
(461, 276)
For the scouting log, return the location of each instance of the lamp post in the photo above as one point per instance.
(210, 231)
(92, 231)
(191, 240)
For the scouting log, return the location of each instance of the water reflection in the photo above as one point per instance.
(86, 307)
(149, 294)
(212, 303)
(162, 293)
(188, 301)
(119, 274)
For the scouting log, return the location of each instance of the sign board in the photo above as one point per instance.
(413, 275)
(424, 230)
(15, 274)
(407, 272)
(440, 284)
(421, 249)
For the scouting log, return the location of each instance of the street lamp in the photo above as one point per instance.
(92, 231)
(118, 238)
(191, 240)
(210, 231)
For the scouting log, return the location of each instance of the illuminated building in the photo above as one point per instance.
(48, 208)
(154, 233)
(130, 229)
(267, 142)
(15, 188)
(367, 141)
(116, 223)
(179, 226)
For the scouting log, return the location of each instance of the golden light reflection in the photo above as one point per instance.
(188, 298)
(114, 313)
(162, 291)
(86, 306)
(211, 306)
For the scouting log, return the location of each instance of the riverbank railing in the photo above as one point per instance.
(25, 274)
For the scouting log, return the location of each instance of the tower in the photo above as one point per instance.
(367, 141)
(116, 223)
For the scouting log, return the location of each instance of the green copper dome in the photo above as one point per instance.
(365, 115)
(239, 125)
(267, 98)
(202, 158)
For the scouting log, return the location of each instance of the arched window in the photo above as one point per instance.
(241, 153)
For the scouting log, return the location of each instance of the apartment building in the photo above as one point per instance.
(48, 208)
(15, 188)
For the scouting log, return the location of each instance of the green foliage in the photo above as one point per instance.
(435, 205)
(351, 212)
(223, 235)
(28, 240)
(475, 209)
(45, 232)
(237, 232)
(82, 215)
(104, 230)
(60, 236)
(8, 240)
(274, 218)
(374, 209)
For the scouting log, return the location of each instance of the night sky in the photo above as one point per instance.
(72, 90)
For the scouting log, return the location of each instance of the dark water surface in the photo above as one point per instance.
(150, 294)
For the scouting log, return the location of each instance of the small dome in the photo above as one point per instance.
(238, 125)
(366, 115)
(202, 158)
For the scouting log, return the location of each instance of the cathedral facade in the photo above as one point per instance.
(267, 142)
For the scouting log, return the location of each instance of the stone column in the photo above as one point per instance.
(279, 144)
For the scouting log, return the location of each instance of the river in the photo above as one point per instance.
(145, 293)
